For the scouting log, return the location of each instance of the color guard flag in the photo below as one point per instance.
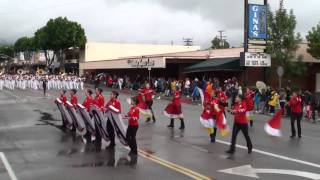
(273, 126)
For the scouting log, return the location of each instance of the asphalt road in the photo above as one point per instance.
(32, 147)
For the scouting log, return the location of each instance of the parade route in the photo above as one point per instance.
(7, 166)
(32, 146)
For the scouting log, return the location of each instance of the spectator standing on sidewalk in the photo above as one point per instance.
(187, 85)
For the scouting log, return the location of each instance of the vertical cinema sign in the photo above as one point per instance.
(257, 21)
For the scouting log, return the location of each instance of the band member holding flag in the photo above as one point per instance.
(63, 97)
(207, 118)
(99, 102)
(99, 99)
(113, 105)
(74, 99)
(144, 108)
(240, 123)
(87, 103)
(89, 100)
(147, 93)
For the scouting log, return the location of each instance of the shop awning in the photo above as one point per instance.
(217, 64)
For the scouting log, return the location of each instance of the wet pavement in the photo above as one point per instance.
(36, 147)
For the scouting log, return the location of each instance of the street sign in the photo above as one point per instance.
(250, 59)
(249, 171)
(280, 71)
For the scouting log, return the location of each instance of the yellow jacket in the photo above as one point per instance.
(274, 99)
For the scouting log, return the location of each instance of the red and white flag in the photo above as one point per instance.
(273, 126)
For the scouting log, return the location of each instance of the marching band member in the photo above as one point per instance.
(12, 83)
(173, 110)
(99, 99)
(44, 85)
(240, 123)
(82, 83)
(207, 117)
(74, 102)
(87, 104)
(213, 115)
(74, 99)
(89, 100)
(143, 107)
(63, 97)
(113, 105)
(249, 96)
(70, 82)
(222, 100)
(147, 94)
(35, 84)
(24, 83)
(1, 83)
(99, 102)
(133, 125)
(295, 104)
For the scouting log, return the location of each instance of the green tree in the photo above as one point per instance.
(217, 43)
(6, 50)
(313, 39)
(59, 35)
(283, 41)
(25, 45)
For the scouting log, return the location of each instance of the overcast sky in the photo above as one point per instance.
(144, 21)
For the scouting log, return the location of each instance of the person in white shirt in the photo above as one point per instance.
(120, 82)
(187, 87)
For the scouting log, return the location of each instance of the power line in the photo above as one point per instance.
(188, 41)
(222, 38)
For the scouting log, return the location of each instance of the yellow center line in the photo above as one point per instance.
(175, 167)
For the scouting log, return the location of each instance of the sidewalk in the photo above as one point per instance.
(184, 100)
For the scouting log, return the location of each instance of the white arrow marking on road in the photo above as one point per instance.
(249, 171)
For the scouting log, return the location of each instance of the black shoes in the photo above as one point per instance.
(111, 146)
(212, 138)
(148, 120)
(131, 153)
(171, 125)
(182, 124)
(230, 151)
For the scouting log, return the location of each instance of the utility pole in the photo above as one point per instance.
(246, 25)
(188, 41)
(222, 38)
(245, 41)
